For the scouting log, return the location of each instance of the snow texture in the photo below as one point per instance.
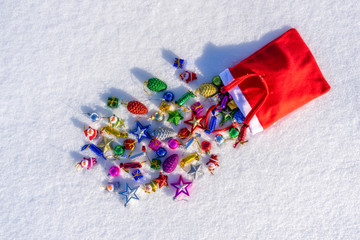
(297, 180)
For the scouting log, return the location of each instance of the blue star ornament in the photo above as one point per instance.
(129, 193)
(140, 132)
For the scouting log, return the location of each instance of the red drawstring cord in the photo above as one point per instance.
(250, 115)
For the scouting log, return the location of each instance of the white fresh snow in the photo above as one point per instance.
(297, 180)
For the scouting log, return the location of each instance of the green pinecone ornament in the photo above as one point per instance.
(156, 85)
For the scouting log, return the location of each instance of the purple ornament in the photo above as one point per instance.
(181, 187)
(170, 163)
(173, 143)
(114, 171)
(197, 108)
(154, 144)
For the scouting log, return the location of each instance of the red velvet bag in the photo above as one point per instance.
(274, 81)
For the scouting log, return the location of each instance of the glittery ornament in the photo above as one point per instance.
(119, 150)
(164, 107)
(115, 132)
(188, 76)
(94, 116)
(234, 132)
(156, 85)
(130, 165)
(114, 171)
(217, 81)
(231, 104)
(238, 116)
(129, 143)
(155, 164)
(140, 131)
(206, 146)
(195, 122)
(184, 133)
(207, 89)
(173, 143)
(158, 116)
(184, 98)
(161, 180)
(91, 133)
(197, 108)
(112, 186)
(136, 107)
(161, 152)
(105, 144)
(195, 170)
(154, 144)
(129, 193)
(113, 102)
(98, 151)
(86, 163)
(212, 163)
(168, 96)
(179, 63)
(137, 175)
(115, 121)
(163, 133)
(170, 163)
(174, 117)
(219, 139)
(181, 187)
(188, 159)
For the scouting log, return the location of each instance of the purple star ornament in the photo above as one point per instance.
(181, 187)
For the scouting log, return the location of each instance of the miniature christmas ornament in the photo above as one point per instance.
(223, 103)
(91, 133)
(163, 133)
(98, 151)
(173, 143)
(136, 107)
(138, 155)
(119, 150)
(141, 132)
(112, 131)
(212, 163)
(184, 98)
(168, 96)
(154, 144)
(112, 186)
(234, 132)
(219, 139)
(164, 107)
(105, 144)
(115, 121)
(130, 165)
(238, 116)
(181, 187)
(155, 164)
(231, 104)
(94, 116)
(155, 84)
(195, 122)
(129, 193)
(86, 163)
(195, 170)
(179, 63)
(225, 116)
(184, 133)
(151, 187)
(188, 76)
(174, 117)
(206, 146)
(137, 175)
(192, 140)
(114, 171)
(129, 144)
(212, 125)
(161, 152)
(112, 102)
(207, 90)
(158, 116)
(217, 81)
(197, 108)
(189, 159)
(170, 163)
(161, 180)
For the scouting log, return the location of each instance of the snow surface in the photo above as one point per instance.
(297, 180)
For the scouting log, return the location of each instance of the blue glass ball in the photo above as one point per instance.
(168, 96)
(238, 116)
(94, 116)
(161, 152)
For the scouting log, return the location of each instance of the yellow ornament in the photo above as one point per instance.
(207, 90)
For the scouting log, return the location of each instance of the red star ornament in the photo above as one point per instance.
(161, 180)
(195, 122)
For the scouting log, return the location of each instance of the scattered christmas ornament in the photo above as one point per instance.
(136, 107)
(170, 163)
(189, 159)
(94, 116)
(151, 187)
(192, 140)
(219, 139)
(184, 133)
(115, 121)
(161, 180)
(207, 90)
(234, 132)
(238, 116)
(173, 143)
(114, 171)
(155, 84)
(130, 165)
(105, 144)
(164, 107)
(85, 163)
(184, 98)
(155, 164)
(195, 170)
(181, 187)
(188, 76)
(179, 63)
(197, 108)
(154, 144)
(91, 133)
(112, 102)
(212, 163)
(140, 132)
(137, 175)
(195, 122)
(225, 116)
(231, 104)
(112, 186)
(174, 117)
(98, 151)
(206, 146)
(161, 152)
(129, 193)
(168, 96)
(217, 81)
(112, 131)
(119, 150)
(135, 156)
(163, 133)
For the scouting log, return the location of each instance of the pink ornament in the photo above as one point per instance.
(173, 143)
(114, 171)
(154, 144)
